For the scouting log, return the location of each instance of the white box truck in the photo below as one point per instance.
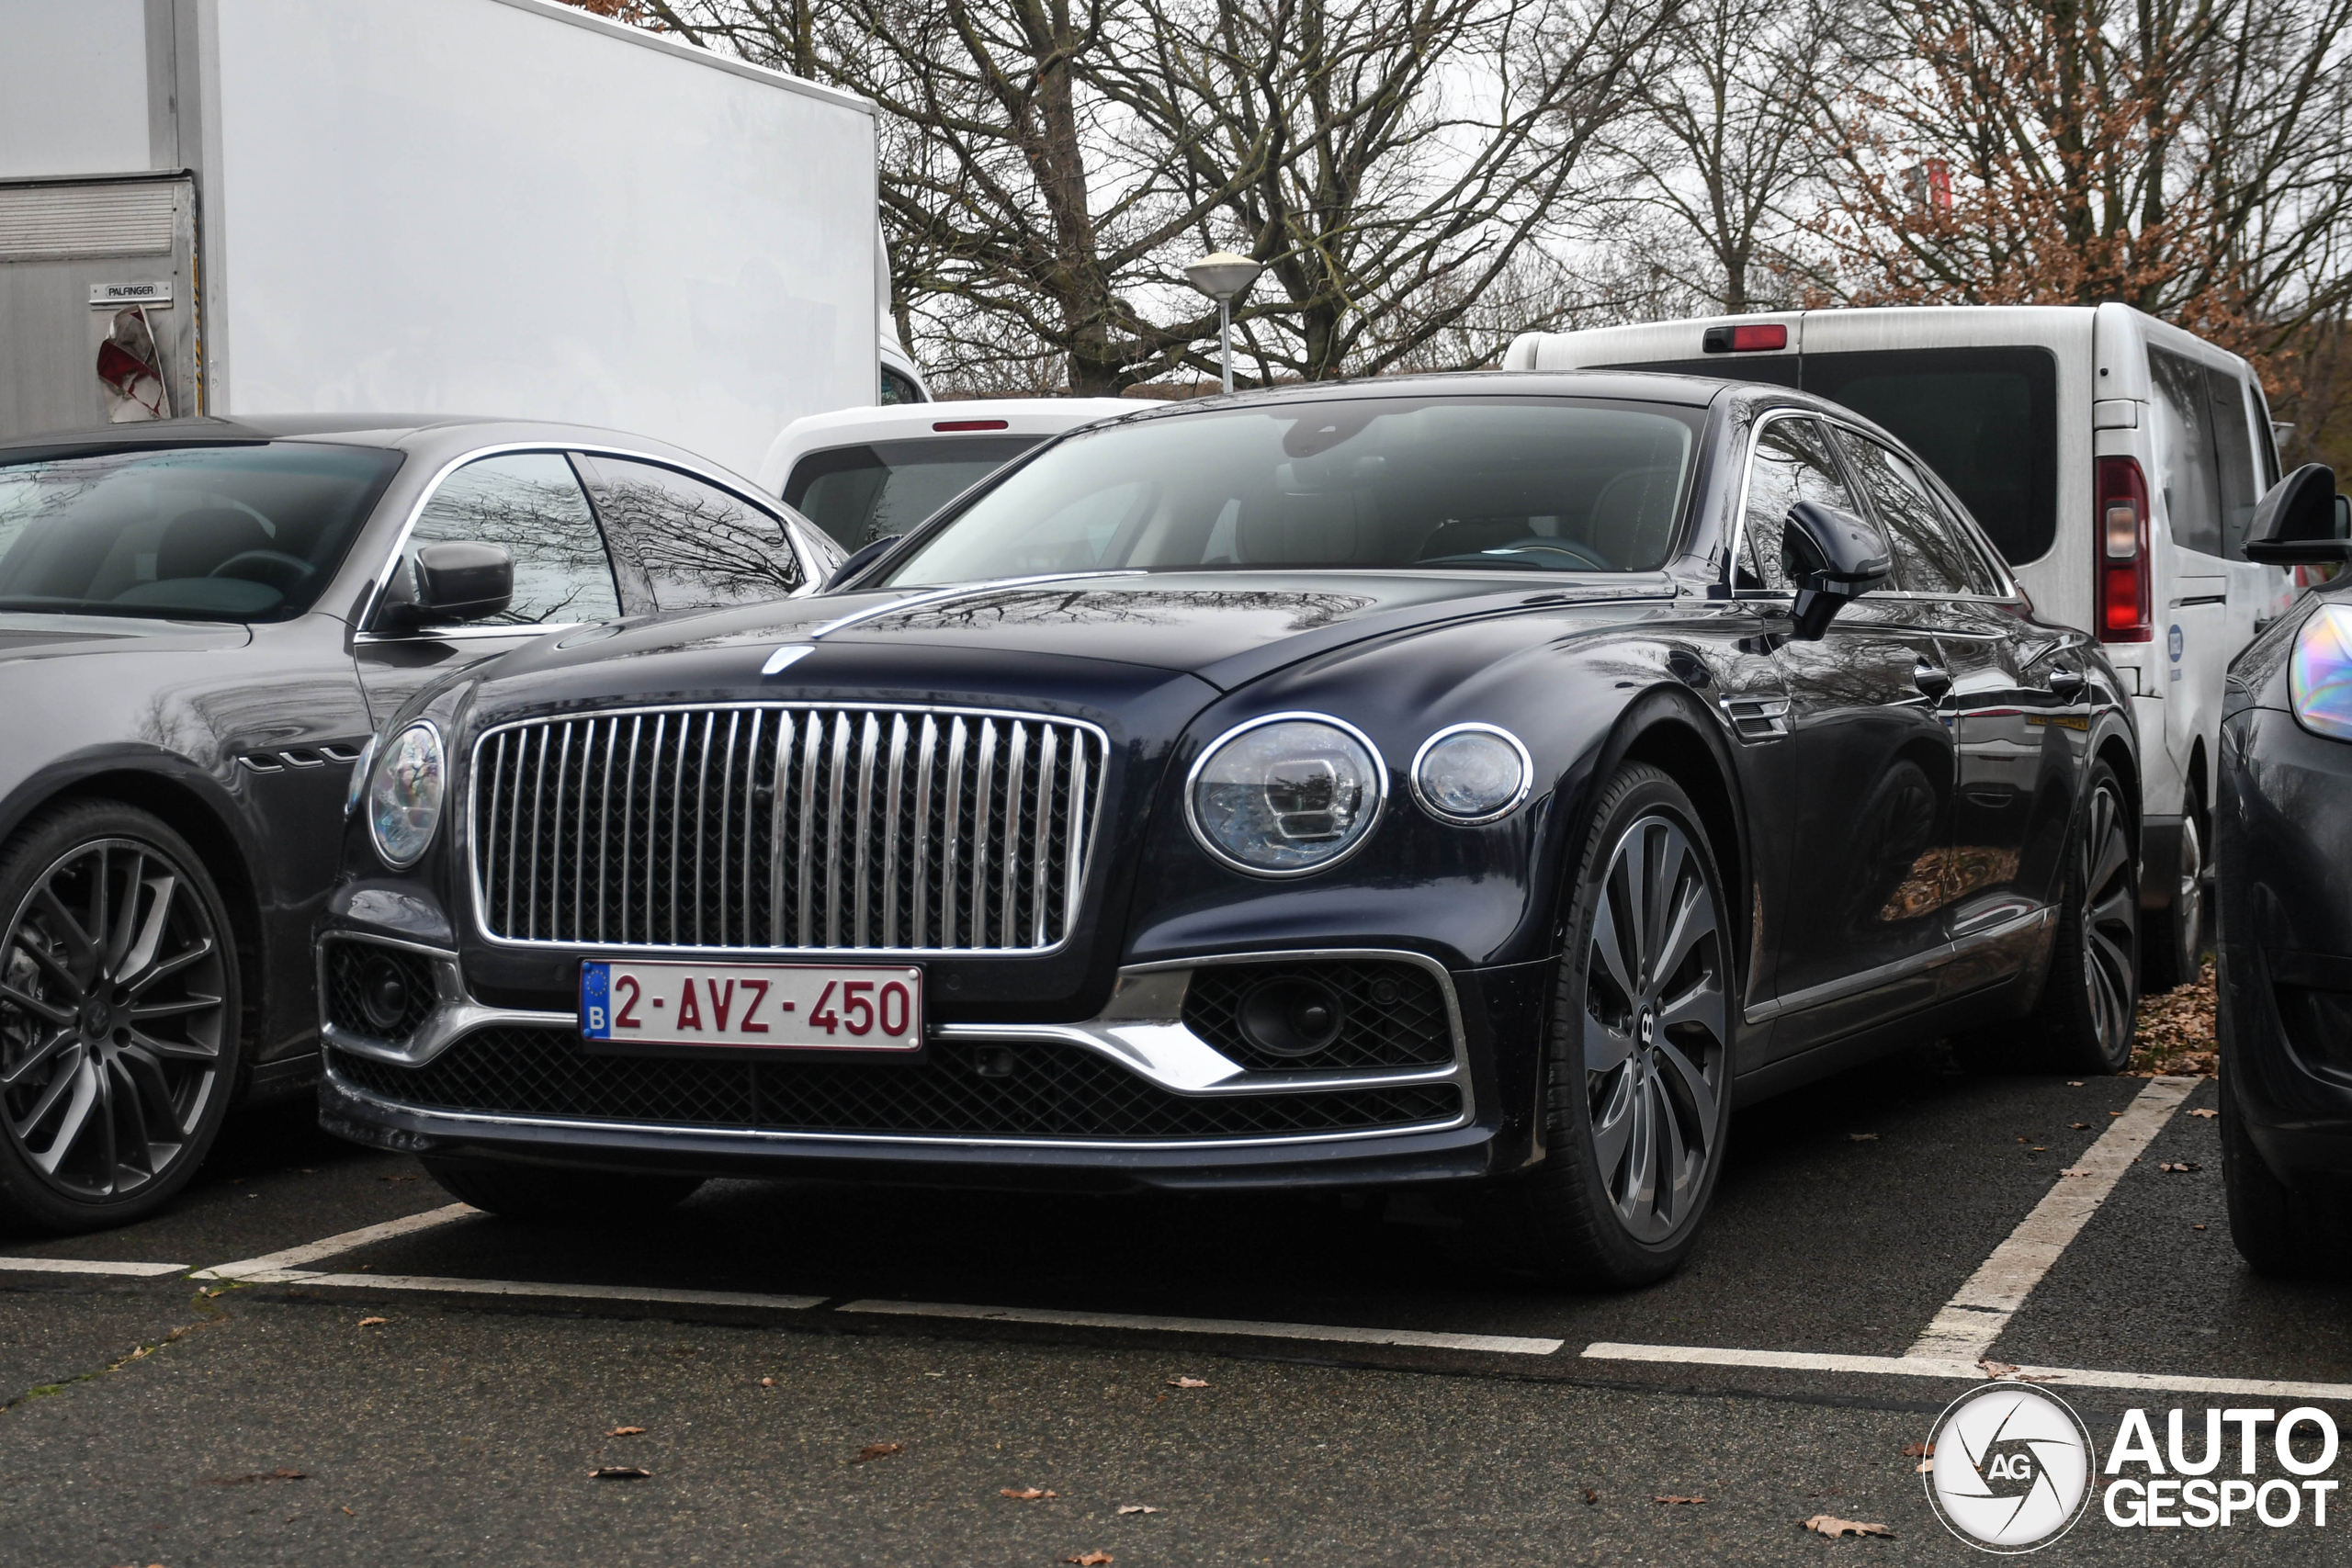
(499, 207)
(2114, 459)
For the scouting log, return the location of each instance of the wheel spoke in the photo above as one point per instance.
(1629, 873)
(76, 940)
(1702, 1004)
(126, 919)
(142, 950)
(174, 1050)
(39, 953)
(1664, 876)
(1612, 1125)
(174, 1010)
(47, 1050)
(196, 952)
(81, 1082)
(1695, 919)
(35, 1005)
(1674, 1163)
(1605, 1049)
(1697, 1094)
(2113, 856)
(1610, 947)
(139, 1088)
(1641, 1159)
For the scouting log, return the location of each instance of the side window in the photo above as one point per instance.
(2185, 462)
(2233, 449)
(1975, 557)
(1792, 464)
(530, 502)
(700, 545)
(1929, 557)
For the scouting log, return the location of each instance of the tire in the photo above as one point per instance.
(545, 1195)
(2299, 1230)
(121, 1017)
(1637, 1051)
(2172, 950)
(2089, 1003)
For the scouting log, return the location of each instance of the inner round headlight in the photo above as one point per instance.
(1472, 773)
(1286, 794)
(404, 795)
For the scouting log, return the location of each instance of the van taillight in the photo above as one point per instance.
(1744, 340)
(2123, 567)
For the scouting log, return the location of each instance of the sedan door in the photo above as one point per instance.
(531, 503)
(1872, 767)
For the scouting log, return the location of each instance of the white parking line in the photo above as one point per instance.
(1495, 1343)
(1917, 1366)
(276, 1267)
(652, 1295)
(1974, 1318)
(87, 1266)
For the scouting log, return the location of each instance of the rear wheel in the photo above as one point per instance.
(2090, 1002)
(2173, 950)
(1638, 1052)
(550, 1196)
(119, 1018)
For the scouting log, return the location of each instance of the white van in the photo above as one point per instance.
(2115, 461)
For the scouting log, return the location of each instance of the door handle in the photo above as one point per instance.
(2065, 682)
(1932, 679)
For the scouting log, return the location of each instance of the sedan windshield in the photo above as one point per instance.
(1495, 484)
(200, 533)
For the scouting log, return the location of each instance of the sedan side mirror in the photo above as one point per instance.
(456, 580)
(1833, 557)
(2302, 520)
(857, 561)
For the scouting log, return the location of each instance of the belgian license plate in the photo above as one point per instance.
(753, 1006)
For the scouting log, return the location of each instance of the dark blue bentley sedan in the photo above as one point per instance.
(1483, 781)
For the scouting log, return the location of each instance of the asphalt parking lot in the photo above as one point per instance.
(838, 1376)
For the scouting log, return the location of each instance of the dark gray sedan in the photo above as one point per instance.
(202, 624)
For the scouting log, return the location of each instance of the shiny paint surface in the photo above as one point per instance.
(1586, 670)
(242, 737)
(2282, 837)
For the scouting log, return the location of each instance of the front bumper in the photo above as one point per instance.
(1135, 1097)
(2282, 839)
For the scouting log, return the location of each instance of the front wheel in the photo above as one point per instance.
(120, 1017)
(1638, 1051)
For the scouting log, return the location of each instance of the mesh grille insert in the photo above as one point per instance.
(1053, 1091)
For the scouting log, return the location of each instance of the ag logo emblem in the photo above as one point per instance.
(2012, 1468)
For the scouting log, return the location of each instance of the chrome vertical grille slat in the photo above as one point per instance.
(782, 826)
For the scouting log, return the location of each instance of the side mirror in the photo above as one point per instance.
(858, 560)
(458, 581)
(2302, 520)
(1833, 557)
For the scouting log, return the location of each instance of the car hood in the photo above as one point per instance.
(28, 636)
(1224, 627)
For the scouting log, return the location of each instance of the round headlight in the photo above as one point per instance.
(404, 795)
(2319, 676)
(1286, 794)
(1472, 773)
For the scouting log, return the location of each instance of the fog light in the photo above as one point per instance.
(383, 993)
(1291, 1016)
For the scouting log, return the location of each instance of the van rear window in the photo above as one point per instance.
(1985, 419)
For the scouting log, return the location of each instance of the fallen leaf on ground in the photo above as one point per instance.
(1187, 1383)
(256, 1475)
(371, 1321)
(1919, 1450)
(2115, 1113)
(2175, 1034)
(625, 1431)
(349, 1511)
(619, 1473)
(2074, 1170)
(409, 1178)
(1677, 1499)
(1997, 1368)
(1831, 1524)
(2074, 1083)
(2179, 1165)
(767, 1383)
(1090, 1560)
(2201, 1111)
(1137, 1508)
(878, 1450)
(2080, 1126)
(2197, 1227)
(1590, 1496)
(1027, 1493)
(1863, 1137)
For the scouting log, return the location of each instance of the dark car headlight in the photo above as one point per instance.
(1471, 773)
(2319, 677)
(1286, 794)
(404, 791)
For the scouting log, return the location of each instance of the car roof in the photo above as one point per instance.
(925, 422)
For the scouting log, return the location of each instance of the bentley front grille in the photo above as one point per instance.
(786, 826)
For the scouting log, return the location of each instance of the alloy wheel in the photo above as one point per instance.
(1656, 1028)
(112, 1018)
(2111, 920)
(2188, 901)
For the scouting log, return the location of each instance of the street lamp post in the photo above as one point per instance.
(1223, 277)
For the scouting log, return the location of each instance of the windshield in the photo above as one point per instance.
(203, 532)
(1503, 483)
